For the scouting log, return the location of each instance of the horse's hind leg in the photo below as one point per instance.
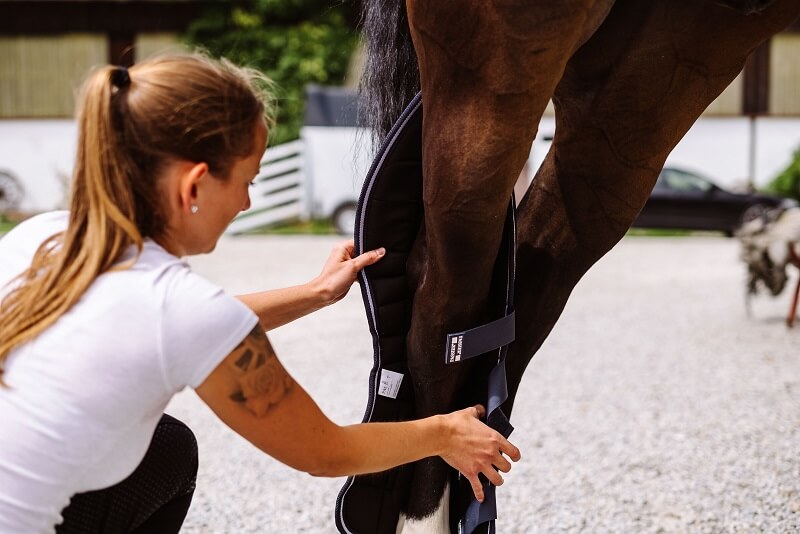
(487, 72)
(626, 98)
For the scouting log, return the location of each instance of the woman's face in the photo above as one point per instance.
(222, 199)
(217, 199)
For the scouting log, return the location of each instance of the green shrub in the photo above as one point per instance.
(5, 223)
(787, 183)
(294, 42)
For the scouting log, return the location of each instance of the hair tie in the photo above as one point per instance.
(120, 78)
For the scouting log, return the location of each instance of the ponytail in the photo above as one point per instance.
(100, 227)
(181, 107)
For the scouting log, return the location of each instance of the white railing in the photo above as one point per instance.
(279, 190)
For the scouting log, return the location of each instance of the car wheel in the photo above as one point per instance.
(344, 218)
(11, 192)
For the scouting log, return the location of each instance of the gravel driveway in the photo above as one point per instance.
(655, 405)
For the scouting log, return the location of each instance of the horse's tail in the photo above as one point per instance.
(391, 75)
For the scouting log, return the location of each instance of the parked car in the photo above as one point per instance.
(680, 200)
(688, 201)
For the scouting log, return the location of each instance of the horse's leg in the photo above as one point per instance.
(626, 99)
(487, 71)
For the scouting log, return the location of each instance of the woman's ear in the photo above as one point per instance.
(192, 177)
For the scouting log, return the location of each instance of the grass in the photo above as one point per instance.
(312, 227)
(6, 224)
(324, 227)
(659, 232)
(665, 232)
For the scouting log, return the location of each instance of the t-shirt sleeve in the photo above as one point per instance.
(201, 325)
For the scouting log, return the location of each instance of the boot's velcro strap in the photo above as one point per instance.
(479, 340)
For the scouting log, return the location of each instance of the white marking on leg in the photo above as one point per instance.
(436, 523)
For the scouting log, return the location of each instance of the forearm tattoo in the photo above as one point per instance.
(262, 382)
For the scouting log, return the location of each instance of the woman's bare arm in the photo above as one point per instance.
(278, 307)
(254, 395)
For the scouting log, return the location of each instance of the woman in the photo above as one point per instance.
(101, 322)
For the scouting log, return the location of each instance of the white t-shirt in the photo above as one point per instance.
(85, 396)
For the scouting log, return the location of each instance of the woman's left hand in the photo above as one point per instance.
(341, 269)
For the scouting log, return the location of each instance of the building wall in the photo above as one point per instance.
(40, 74)
(734, 151)
(38, 154)
(151, 44)
(729, 102)
(784, 96)
(783, 83)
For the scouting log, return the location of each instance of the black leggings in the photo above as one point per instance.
(153, 499)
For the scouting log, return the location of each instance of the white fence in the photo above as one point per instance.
(279, 190)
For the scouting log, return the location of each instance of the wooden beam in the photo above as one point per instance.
(26, 17)
(756, 81)
(120, 48)
(794, 27)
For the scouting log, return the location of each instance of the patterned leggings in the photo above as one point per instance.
(153, 499)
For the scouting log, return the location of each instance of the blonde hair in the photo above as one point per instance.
(186, 107)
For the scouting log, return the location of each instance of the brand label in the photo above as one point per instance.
(455, 348)
(389, 384)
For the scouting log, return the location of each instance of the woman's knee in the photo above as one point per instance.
(175, 449)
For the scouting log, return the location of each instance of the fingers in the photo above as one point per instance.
(349, 247)
(510, 450)
(477, 487)
(368, 258)
(342, 251)
(479, 452)
(502, 464)
(493, 476)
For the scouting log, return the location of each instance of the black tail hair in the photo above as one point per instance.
(391, 74)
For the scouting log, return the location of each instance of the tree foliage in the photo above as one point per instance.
(787, 183)
(294, 42)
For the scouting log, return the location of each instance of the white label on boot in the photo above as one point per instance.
(390, 383)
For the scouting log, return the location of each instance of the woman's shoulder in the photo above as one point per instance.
(57, 217)
(18, 246)
(158, 276)
(38, 228)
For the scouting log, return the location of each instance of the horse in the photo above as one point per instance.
(627, 79)
(769, 245)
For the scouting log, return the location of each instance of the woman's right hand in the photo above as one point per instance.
(473, 448)
(341, 269)
(255, 396)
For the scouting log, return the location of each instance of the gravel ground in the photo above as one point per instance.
(655, 405)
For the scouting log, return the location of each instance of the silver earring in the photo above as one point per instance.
(194, 208)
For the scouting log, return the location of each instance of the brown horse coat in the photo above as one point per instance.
(628, 78)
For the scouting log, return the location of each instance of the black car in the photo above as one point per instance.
(687, 201)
